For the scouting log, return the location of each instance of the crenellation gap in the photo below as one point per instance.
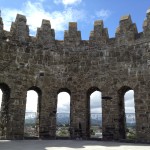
(20, 30)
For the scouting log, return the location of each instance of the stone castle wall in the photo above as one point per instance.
(49, 66)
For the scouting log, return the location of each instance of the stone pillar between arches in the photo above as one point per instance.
(17, 104)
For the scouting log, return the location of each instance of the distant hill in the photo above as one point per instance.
(30, 118)
(96, 119)
(30, 121)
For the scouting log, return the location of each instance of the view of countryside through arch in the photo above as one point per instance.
(63, 114)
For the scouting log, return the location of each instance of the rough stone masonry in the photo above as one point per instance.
(79, 67)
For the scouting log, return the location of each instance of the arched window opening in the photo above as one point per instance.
(63, 114)
(130, 114)
(126, 112)
(31, 114)
(96, 114)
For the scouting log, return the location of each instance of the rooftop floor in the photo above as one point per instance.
(69, 145)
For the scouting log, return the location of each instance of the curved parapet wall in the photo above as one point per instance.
(125, 33)
(109, 64)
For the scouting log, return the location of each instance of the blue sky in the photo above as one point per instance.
(85, 12)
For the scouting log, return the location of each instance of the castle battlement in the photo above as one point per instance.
(125, 33)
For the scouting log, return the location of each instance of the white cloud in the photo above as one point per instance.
(67, 2)
(128, 95)
(96, 102)
(129, 102)
(31, 101)
(63, 103)
(96, 110)
(103, 13)
(130, 110)
(35, 12)
(9, 17)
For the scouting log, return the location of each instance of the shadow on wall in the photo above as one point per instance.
(70, 144)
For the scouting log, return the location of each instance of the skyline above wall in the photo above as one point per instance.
(84, 12)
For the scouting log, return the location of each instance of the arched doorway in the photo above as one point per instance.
(4, 109)
(127, 123)
(63, 113)
(95, 113)
(32, 111)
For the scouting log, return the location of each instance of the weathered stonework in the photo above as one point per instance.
(79, 67)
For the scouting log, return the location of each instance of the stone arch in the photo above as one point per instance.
(66, 115)
(89, 92)
(4, 113)
(64, 90)
(121, 111)
(39, 93)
